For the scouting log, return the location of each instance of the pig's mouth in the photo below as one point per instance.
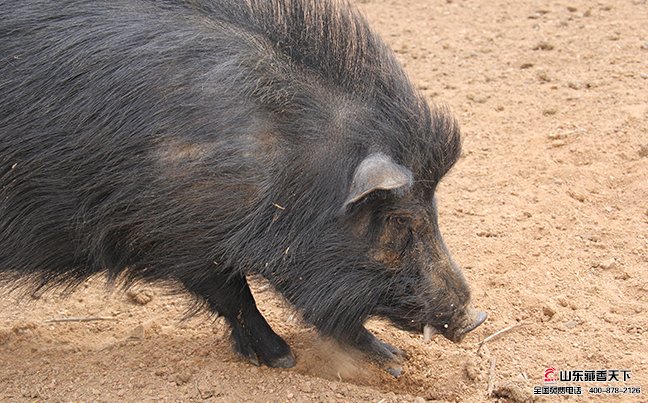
(457, 330)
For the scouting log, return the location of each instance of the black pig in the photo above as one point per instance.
(200, 141)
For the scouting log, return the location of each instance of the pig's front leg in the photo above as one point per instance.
(384, 354)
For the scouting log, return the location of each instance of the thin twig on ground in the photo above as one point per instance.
(80, 319)
(497, 334)
(491, 377)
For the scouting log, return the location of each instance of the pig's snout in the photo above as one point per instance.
(471, 319)
(467, 322)
(477, 318)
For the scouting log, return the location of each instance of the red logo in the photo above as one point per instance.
(550, 375)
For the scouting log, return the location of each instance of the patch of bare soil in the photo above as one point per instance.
(546, 211)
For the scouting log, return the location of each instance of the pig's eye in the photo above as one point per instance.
(402, 236)
(400, 221)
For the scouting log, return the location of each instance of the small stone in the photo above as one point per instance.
(543, 45)
(563, 302)
(419, 399)
(645, 45)
(615, 36)
(549, 111)
(137, 332)
(576, 195)
(487, 234)
(548, 311)
(572, 9)
(182, 378)
(480, 99)
(526, 65)
(592, 238)
(544, 76)
(140, 297)
(643, 151)
(306, 387)
(608, 264)
(575, 85)
(571, 324)
(290, 396)
(31, 393)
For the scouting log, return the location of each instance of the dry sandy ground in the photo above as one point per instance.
(546, 211)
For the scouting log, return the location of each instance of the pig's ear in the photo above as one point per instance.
(377, 172)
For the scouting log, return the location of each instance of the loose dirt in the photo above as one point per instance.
(546, 210)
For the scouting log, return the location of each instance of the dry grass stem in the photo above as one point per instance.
(80, 319)
(497, 334)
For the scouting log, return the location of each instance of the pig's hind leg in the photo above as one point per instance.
(252, 335)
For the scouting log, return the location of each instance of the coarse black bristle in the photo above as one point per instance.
(189, 141)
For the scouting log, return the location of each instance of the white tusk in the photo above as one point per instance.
(428, 332)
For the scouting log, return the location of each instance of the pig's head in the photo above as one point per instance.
(395, 212)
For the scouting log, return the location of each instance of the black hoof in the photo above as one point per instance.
(398, 354)
(395, 371)
(287, 361)
(251, 359)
